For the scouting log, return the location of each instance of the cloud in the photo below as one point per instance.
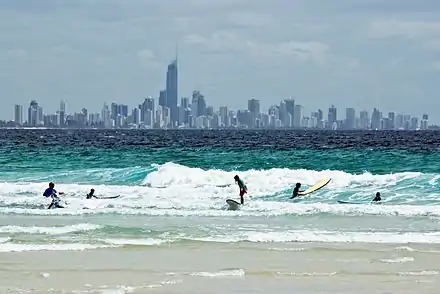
(286, 51)
(323, 52)
(405, 29)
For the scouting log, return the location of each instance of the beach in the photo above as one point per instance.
(226, 268)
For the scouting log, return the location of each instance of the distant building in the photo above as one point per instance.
(18, 114)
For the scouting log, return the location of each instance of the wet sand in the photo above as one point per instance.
(226, 268)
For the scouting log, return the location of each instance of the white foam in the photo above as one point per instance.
(326, 237)
(10, 247)
(224, 273)
(58, 230)
(420, 273)
(139, 242)
(398, 260)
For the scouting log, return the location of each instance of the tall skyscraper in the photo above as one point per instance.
(375, 120)
(254, 111)
(350, 118)
(18, 114)
(35, 114)
(391, 120)
(148, 111)
(332, 116)
(63, 106)
(254, 106)
(172, 91)
(62, 112)
(297, 116)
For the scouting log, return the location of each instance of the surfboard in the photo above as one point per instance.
(348, 202)
(365, 202)
(110, 197)
(315, 187)
(233, 205)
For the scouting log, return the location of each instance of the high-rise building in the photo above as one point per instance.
(198, 104)
(147, 111)
(254, 105)
(106, 117)
(223, 114)
(332, 116)
(184, 110)
(350, 118)
(297, 116)
(35, 114)
(18, 114)
(375, 119)
(284, 115)
(391, 120)
(163, 98)
(290, 106)
(172, 91)
(254, 111)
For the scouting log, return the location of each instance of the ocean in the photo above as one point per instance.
(170, 230)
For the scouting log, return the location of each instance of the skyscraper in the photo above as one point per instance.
(163, 98)
(254, 111)
(332, 116)
(18, 114)
(172, 91)
(297, 116)
(350, 118)
(35, 114)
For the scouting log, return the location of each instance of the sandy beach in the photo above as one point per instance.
(226, 268)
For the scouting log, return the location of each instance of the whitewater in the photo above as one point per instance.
(175, 203)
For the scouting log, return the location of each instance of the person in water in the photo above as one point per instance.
(242, 186)
(91, 194)
(51, 192)
(296, 190)
(377, 197)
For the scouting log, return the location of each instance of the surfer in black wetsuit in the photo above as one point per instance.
(242, 187)
(91, 194)
(377, 197)
(296, 190)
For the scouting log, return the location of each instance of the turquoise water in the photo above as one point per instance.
(178, 195)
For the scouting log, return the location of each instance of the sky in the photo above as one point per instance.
(347, 53)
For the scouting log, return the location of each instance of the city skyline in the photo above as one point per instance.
(165, 112)
(360, 54)
(195, 112)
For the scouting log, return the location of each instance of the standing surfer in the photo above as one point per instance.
(242, 186)
(51, 192)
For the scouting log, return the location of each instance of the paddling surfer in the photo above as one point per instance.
(296, 190)
(91, 194)
(377, 197)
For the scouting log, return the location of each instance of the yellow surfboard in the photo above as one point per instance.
(315, 187)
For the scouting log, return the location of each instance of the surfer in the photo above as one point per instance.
(377, 197)
(91, 194)
(242, 186)
(51, 192)
(296, 190)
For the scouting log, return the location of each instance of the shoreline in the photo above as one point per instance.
(246, 268)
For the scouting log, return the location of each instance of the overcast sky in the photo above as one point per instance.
(350, 53)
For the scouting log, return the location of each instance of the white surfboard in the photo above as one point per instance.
(315, 187)
(233, 205)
